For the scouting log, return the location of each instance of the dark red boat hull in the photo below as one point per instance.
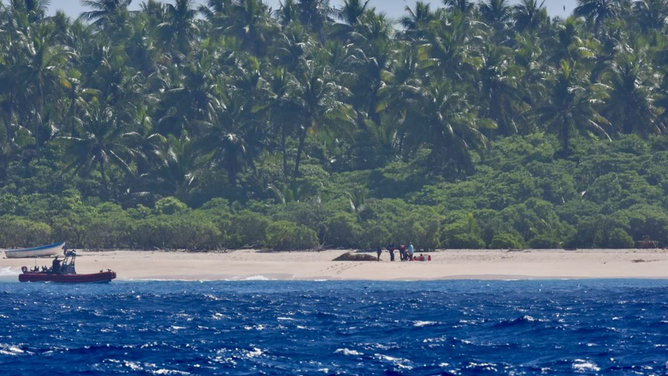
(67, 278)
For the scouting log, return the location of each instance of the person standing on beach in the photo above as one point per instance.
(379, 251)
(411, 251)
(402, 252)
(391, 251)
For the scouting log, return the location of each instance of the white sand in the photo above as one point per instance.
(450, 264)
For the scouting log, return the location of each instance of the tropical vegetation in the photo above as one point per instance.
(231, 124)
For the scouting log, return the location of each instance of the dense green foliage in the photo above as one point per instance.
(473, 125)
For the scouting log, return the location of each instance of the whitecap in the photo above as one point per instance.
(253, 353)
(8, 272)
(132, 365)
(257, 278)
(163, 371)
(423, 323)
(347, 352)
(255, 327)
(285, 319)
(399, 362)
(10, 350)
(582, 366)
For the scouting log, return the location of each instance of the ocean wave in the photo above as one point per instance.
(523, 320)
(12, 350)
(347, 352)
(9, 271)
(257, 278)
(420, 324)
(582, 366)
(304, 327)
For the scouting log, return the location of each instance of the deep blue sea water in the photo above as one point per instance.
(345, 328)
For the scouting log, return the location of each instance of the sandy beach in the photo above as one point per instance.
(450, 264)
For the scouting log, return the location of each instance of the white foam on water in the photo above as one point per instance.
(423, 323)
(347, 352)
(9, 272)
(253, 353)
(10, 350)
(163, 371)
(582, 366)
(399, 362)
(135, 366)
(257, 278)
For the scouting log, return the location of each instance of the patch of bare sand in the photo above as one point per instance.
(447, 264)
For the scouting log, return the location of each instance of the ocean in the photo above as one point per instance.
(617, 327)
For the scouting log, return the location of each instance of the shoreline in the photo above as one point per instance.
(251, 265)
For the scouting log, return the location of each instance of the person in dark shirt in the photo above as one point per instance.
(402, 252)
(55, 266)
(379, 251)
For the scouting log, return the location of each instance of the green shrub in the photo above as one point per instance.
(247, 229)
(342, 230)
(466, 241)
(178, 232)
(618, 239)
(544, 242)
(374, 235)
(18, 232)
(506, 241)
(169, 206)
(284, 235)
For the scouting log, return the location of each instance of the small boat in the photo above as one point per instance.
(64, 273)
(43, 251)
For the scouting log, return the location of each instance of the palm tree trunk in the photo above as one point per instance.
(565, 138)
(104, 181)
(302, 137)
(232, 170)
(285, 156)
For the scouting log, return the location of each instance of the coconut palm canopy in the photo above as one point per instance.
(313, 100)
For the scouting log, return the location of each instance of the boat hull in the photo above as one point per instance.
(44, 251)
(68, 278)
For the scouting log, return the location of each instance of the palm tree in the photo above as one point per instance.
(283, 109)
(104, 12)
(33, 10)
(651, 15)
(418, 18)
(462, 6)
(315, 14)
(180, 28)
(442, 118)
(452, 43)
(630, 104)
(233, 137)
(40, 74)
(352, 11)
(499, 89)
(250, 21)
(176, 176)
(530, 15)
(100, 141)
(570, 43)
(496, 13)
(190, 98)
(288, 12)
(571, 108)
(318, 98)
(597, 11)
